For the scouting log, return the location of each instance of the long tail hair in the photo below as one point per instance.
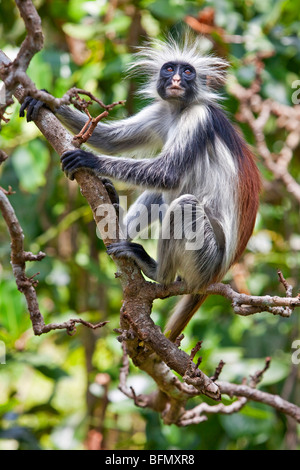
(183, 312)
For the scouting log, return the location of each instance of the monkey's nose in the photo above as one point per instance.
(176, 79)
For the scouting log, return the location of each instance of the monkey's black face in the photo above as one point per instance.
(177, 81)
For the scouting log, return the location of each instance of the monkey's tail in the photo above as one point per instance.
(183, 312)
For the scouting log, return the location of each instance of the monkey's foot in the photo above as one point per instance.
(75, 160)
(112, 193)
(125, 249)
(137, 253)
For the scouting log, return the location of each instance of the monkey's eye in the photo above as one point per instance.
(188, 71)
(170, 69)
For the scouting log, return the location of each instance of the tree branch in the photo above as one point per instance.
(27, 285)
(275, 401)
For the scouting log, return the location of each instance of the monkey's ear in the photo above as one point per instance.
(216, 82)
(216, 70)
(218, 78)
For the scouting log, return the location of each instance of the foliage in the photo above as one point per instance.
(54, 389)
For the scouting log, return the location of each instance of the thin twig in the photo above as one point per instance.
(25, 284)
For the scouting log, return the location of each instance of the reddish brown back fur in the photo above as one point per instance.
(249, 189)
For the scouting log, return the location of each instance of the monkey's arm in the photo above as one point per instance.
(139, 131)
(161, 173)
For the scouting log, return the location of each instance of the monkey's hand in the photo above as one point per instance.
(32, 106)
(75, 160)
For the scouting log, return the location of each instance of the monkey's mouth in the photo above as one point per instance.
(175, 90)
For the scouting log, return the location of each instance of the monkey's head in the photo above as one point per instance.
(179, 71)
(177, 81)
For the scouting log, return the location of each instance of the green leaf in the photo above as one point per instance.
(13, 311)
(30, 163)
(167, 9)
(44, 365)
(80, 31)
(242, 424)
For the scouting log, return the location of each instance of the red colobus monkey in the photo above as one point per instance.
(197, 161)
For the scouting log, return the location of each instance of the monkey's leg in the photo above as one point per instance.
(172, 254)
(176, 254)
(148, 208)
(191, 244)
(196, 252)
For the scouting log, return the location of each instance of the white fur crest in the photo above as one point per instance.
(211, 70)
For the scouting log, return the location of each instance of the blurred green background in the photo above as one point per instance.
(61, 392)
